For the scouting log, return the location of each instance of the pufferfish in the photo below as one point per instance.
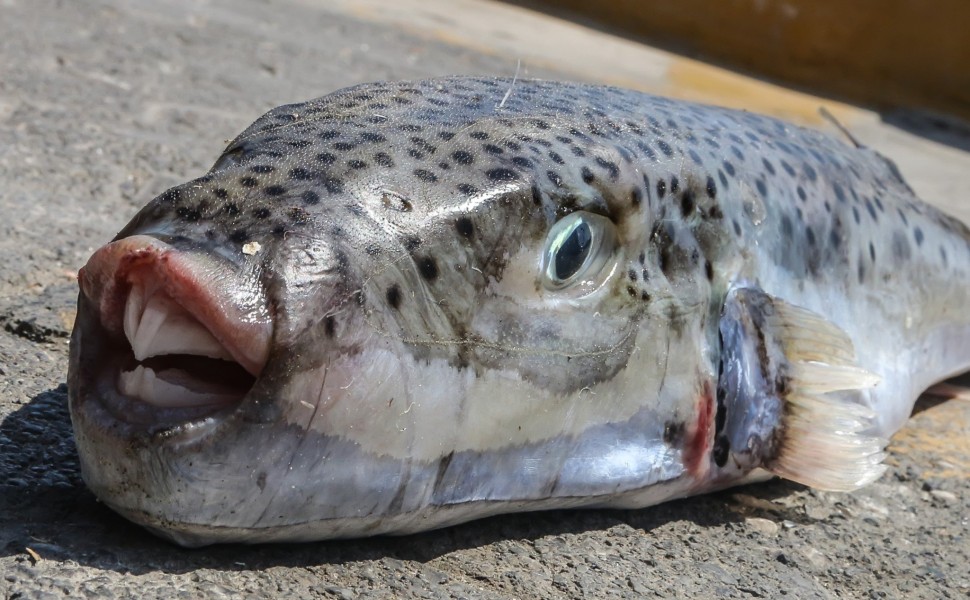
(407, 305)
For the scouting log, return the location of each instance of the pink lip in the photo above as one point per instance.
(224, 301)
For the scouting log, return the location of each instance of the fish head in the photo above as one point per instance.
(369, 316)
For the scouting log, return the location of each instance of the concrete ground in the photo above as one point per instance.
(106, 103)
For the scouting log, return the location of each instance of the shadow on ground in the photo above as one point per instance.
(44, 506)
(939, 128)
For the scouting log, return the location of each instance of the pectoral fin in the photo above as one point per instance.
(790, 396)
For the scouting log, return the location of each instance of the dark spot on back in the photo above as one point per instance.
(465, 227)
(333, 185)
(839, 194)
(762, 188)
(425, 175)
(872, 210)
(501, 174)
(463, 157)
(394, 296)
(609, 166)
(786, 227)
(310, 197)
(687, 203)
(188, 214)
(711, 187)
(428, 268)
(369, 136)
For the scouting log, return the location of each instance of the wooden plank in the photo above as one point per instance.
(882, 53)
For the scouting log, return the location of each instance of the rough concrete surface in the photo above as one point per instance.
(105, 103)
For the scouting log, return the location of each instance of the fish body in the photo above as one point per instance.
(407, 305)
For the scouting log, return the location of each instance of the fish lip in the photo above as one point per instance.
(232, 318)
(241, 322)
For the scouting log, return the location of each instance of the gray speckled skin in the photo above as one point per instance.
(406, 221)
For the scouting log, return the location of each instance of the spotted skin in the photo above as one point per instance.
(401, 227)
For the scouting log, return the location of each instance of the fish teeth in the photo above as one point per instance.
(171, 388)
(161, 326)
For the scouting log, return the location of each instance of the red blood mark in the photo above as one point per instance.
(700, 436)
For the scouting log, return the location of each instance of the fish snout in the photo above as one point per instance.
(181, 329)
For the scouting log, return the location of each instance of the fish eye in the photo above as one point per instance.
(577, 248)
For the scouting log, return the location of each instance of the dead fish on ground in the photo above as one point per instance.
(407, 305)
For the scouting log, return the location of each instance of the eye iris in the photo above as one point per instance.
(572, 253)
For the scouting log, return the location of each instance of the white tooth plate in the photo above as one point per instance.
(159, 326)
(172, 388)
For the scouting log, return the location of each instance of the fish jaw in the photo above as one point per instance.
(165, 335)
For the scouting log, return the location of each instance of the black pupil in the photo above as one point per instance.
(573, 251)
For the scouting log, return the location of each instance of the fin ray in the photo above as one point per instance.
(800, 368)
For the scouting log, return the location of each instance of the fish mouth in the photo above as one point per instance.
(167, 336)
